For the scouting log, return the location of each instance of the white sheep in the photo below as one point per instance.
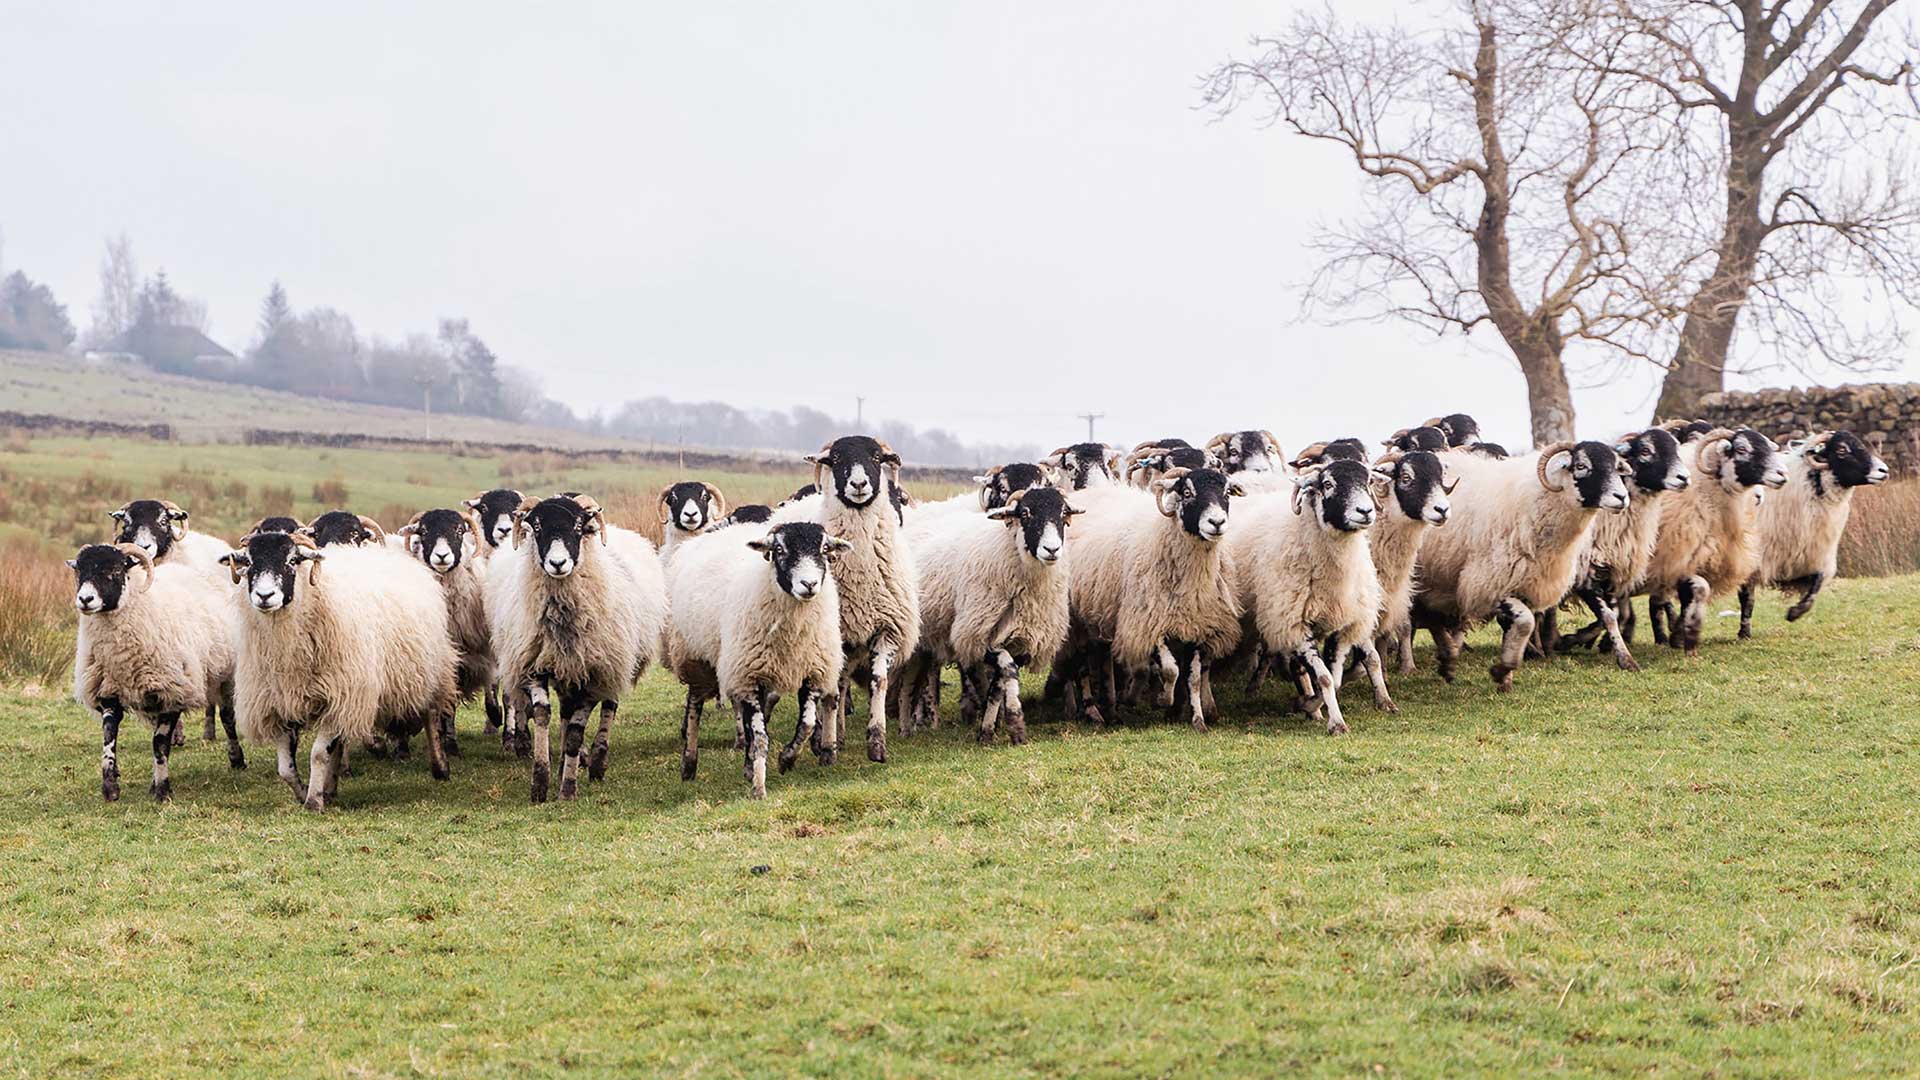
(1307, 579)
(1513, 546)
(1416, 487)
(1800, 527)
(1707, 541)
(688, 509)
(163, 531)
(993, 600)
(1152, 585)
(152, 640)
(449, 543)
(577, 611)
(756, 614)
(341, 652)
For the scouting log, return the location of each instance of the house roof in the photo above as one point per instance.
(183, 341)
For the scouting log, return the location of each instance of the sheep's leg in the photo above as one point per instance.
(320, 771)
(1659, 614)
(1403, 645)
(1693, 614)
(1746, 610)
(490, 701)
(877, 704)
(1010, 685)
(1329, 697)
(1624, 605)
(971, 701)
(597, 757)
(1056, 684)
(1377, 674)
(1262, 665)
(164, 730)
(435, 729)
(1516, 619)
(1603, 611)
(1595, 599)
(690, 734)
(1815, 582)
(236, 756)
(926, 698)
(754, 719)
(338, 746)
(1336, 654)
(285, 750)
(208, 732)
(1106, 683)
(577, 710)
(1170, 672)
(110, 715)
(986, 674)
(1126, 685)
(449, 730)
(1546, 628)
(402, 746)
(539, 715)
(808, 702)
(1195, 679)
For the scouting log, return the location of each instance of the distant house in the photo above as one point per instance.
(167, 348)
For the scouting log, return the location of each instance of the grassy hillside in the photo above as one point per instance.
(1710, 867)
(203, 411)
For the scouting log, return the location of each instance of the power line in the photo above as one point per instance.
(1090, 417)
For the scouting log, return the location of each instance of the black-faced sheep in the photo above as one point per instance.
(448, 542)
(1083, 465)
(1800, 527)
(1622, 547)
(1707, 543)
(688, 509)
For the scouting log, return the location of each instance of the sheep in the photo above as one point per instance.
(448, 543)
(688, 509)
(495, 509)
(1800, 528)
(1459, 428)
(993, 599)
(1514, 547)
(747, 632)
(160, 528)
(336, 527)
(280, 524)
(1622, 543)
(572, 619)
(1424, 437)
(1321, 453)
(1417, 486)
(1083, 465)
(1152, 585)
(340, 653)
(1302, 580)
(750, 514)
(1245, 455)
(804, 491)
(1707, 542)
(1151, 460)
(157, 643)
(879, 596)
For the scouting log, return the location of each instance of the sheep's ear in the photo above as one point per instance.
(118, 515)
(74, 564)
(471, 504)
(1449, 481)
(1236, 489)
(834, 546)
(1004, 513)
(409, 529)
(1623, 448)
(1070, 510)
(1300, 486)
(236, 563)
(762, 545)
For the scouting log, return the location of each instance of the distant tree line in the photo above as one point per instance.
(717, 424)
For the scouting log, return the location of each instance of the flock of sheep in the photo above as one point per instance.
(1119, 573)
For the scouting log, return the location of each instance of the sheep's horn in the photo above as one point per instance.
(666, 508)
(133, 552)
(719, 500)
(415, 519)
(1396, 436)
(1219, 440)
(1060, 453)
(591, 507)
(372, 526)
(1435, 422)
(176, 519)
(1273, 443)
(1546, 454)
(1710, 445)
(1388, 459)
(1307, 454)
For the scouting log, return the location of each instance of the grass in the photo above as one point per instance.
(1711, 867)
(1883, 533)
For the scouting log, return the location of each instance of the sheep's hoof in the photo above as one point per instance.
(179, 734)
(316, 803)
(1092, 715)
(826, 756)
(236, 758)
(1386, 705)
(440, 771)
(110, 788)
(1200, 724)
(162, 791)
(493, 717)
(597, 762)
(983, 736)
(689, 767)
(877, 747)
(788, 755)
(569, 789)
(1502, 677)
(1797, 611)
(540, 779)
(1746, 632)
(756, 793)
(450, 744)
(207, 733)
(1336, 727)
(1627, 663)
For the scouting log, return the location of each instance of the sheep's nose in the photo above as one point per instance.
(1440, 514)
(1679, 483)
(1049, 552)
(558, 566)
(805, 589)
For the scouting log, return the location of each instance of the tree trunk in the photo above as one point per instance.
(1549, 398)
(1706, 331)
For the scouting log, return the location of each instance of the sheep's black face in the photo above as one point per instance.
(1341, 490)
(267, 565)
(689, 506)
(1249, 451)
(1184, 457)
(150, 525)
(1755, 460)
(1085, 465)
(1599, 476)
(1348, 449)
(801, 492)
(276, 524)
(1419, 487)
(1489, 449)
(440, 540)
(1655, 458)
(1849, 461)
(1199, 501)
(1419, 438)
(495, 509)
(557, 526)
(100, 578)
(799, 552)
(750, 514)
(336, 527)
(997, 487)
(1041, 516)
(1459, 428)
(859, 464)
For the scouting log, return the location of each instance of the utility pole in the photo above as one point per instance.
(859, 412)
(1090, 417)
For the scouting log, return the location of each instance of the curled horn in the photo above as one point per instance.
(666, 509)
(372, 526)
(1162, 486)
(1307, 478)
(719, 500)
(1219, 440)
(887, 454)
(413, 523)
(1546, 454)
(1712, 449)
(1273, 445)
(1137, 460)
(820, 461)
(1307, 455)
(133, 552)
(1396, 436)
(1435, 422)
(1009, 509)
(986, 481)
(1384, 466)
(591, 507)
(1817, 444)
(176, 519)
(519, 519)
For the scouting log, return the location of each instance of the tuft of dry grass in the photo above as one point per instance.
(1883, 535)
(330, 492)
(36, 615)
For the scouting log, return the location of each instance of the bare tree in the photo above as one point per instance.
(1795, 111)
(118, 304)
(1498, 181)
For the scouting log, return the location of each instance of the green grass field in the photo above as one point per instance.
(1709, 868)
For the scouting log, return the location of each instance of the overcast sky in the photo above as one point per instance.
(987, 216)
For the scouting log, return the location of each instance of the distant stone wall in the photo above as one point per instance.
(1886, 415)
